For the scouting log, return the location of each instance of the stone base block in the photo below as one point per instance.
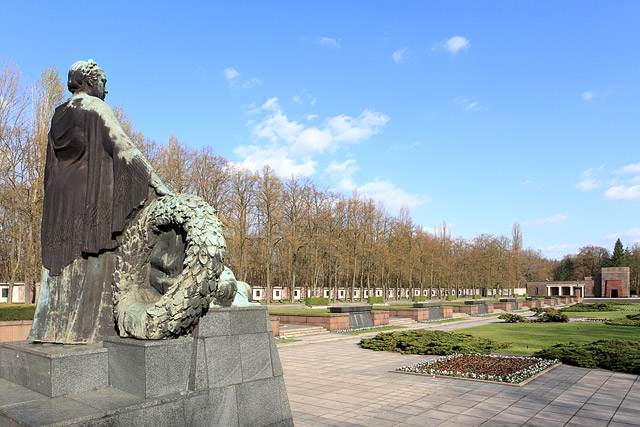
(54, 369)
(227, 374)
(149, 368)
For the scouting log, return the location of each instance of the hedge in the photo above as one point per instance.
(316, 301)
(451, 297)
(419, 298)
(375, 300)
(17, 311)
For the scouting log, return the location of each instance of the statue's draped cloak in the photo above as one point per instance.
(94, 180)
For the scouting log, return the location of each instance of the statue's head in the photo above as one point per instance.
(87, 77)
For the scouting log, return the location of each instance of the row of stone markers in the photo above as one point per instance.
(431, 311)
(359, 316)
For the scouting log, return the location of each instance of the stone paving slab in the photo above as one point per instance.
(331, 381)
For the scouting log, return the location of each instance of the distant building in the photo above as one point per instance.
(611, 282)
(21, 294)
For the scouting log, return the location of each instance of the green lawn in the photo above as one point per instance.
(599, 314)
(526, 338)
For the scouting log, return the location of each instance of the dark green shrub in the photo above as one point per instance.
(451, 297)
(17, 311)
(430, 342)
(537, 310)
(512, 318)
(477, 296)
(419, 298)
(618, 356)
(316, 301)
(600, 306)
(631, 320)
(552, 315)
(375, 300)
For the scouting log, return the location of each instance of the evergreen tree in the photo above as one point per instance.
(618, 258)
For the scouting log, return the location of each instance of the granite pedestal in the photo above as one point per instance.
(227, 374)
(434, 309)
(359, 314)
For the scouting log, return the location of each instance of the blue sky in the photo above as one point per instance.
(475, 113)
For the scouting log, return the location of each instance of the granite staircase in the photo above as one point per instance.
(296, 331)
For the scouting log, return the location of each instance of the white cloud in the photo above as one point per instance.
(396, 147)
(340, 171)
(467, 104)
(230, 74)
(628, 237)
(548, 220)
(456, 43)
(233, 76)
(306, 141)
(452, 45)
(589, 95)
(310, 117)
(623, 192)
(591, 172)
(633, 168)
(304, 97)
(277, 157)
(588, 184)
(291, 145)
(271, 104)
(348, 129)
(559, 251)
(399, 54)
(254, 81)
(328, 42)
(277, 127)
(384, 191)
(392, 197)
(588, 179)
(528, 182)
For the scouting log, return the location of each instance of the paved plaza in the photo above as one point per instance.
(332, 381)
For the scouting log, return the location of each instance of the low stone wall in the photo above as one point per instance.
(521, 305)
(490, 308)
(14, 330)
(331, 322)
(380, 317)
(504, 306)
(275, 325)
(446, 311)
(549, 302)
(417, 314)
(471, 310)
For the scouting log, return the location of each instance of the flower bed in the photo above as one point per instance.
(504, 369)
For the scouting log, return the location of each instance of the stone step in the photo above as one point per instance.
(401, 321)
(459, 315)
(295, 331)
